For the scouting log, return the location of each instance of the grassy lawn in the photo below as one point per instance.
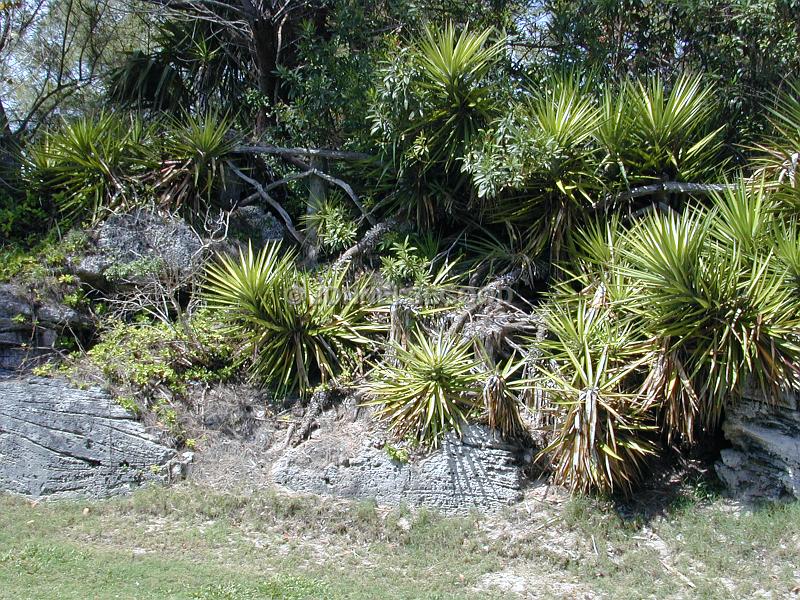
(191, 542)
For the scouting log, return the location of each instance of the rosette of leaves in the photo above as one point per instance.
(301, 327)
(90, 165)
(716, 300)
(428, 390)
(335, 227)
(192, 169)
(605, 431)
(537, 167)
(654, 132)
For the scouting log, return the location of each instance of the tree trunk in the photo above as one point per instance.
(317, 192)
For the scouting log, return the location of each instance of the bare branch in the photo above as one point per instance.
(369, 241)
(287, 220)
(317, 152)
(675, 187)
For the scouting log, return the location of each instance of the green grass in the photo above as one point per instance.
(192, 542)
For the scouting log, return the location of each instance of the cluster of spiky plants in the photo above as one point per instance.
(302, 327)
(552, 160)
(664, 322)
(88, 165)
(96, 164)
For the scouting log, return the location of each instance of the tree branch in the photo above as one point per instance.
(369, 241)
(287, 220)
(675, 187)
(319, 152)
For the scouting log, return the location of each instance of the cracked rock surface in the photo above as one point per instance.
(477, 471)
(59, 441)
(763, 462)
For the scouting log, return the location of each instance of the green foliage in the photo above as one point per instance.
(86, 166)
(24, 218)
(298, 325)
(147, 356)
(746, 47)
(192, 169)
(605, 428)
(665, 135)
(136, 269)
(432, 101)
(782, 145)
(335, 227)
(396, 453)
(428, 390)
(538, 166)
(45, 261)
(324, 100)
(409, 260)
(664, 322)
(500, 395)
(721, 312)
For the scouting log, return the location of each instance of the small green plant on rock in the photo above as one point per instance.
(299, 326)
(428, 391)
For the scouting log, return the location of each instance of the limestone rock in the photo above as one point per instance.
(59, 441)
(30, 323)
(130, 245)
(254, 223)
(478, 471)
(763, 462)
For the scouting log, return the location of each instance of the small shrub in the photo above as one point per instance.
(299, 326)
(333, 224)
(429, 391)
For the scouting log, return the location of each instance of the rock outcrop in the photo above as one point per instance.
(478, 471)
(30, 324)
(132, 247)
(58, 441)
(253, 223)
(763, 462)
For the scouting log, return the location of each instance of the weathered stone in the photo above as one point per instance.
(59, 441)
(126, 245)
(254, 223)
(478, 471)
(763, 462)
(30, 324)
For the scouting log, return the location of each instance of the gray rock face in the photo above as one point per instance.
(30, 325)
(764, 460)
(254, 223)
(479, 471)
(138, 243)
(59, 441)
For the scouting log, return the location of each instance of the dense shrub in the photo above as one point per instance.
(300, 326)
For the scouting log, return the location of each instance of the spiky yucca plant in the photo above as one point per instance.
(301, 326)
(193, 157)
(454, 67)
(90, 164)
(500, 395)
(433, 100)
(428, 390)
(671, 134)
(721, 314)
(538, 167)
(605, 432)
